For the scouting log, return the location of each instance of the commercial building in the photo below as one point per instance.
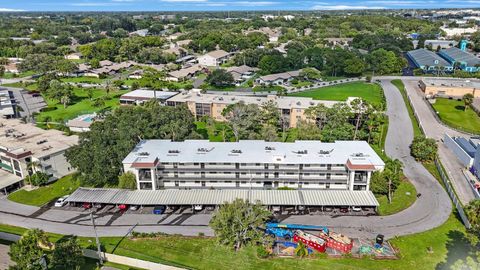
(22, 144)
(214, 58)
(437, 44)
(250, 164)
(428, 60)
(449, 87)
(140, 96)
(467, 61)
(292, 108)
(7, 104)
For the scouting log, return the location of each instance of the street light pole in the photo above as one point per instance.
(99, 250)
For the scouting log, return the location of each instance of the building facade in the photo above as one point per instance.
(163, 164)
(449, 87)
(23, 144)
(214, 58)
(292, 109)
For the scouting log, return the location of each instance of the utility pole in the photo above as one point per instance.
(99, 250)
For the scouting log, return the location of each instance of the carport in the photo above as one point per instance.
(205, 197)
(9, 181)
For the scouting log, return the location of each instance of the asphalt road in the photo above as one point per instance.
(436, 130)
(429, 211)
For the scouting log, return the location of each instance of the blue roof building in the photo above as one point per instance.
(466, 61)
(428, 60)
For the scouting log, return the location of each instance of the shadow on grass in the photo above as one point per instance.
(458, 248)
(460, 108)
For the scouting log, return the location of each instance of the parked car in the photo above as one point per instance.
(158, 210)
(87, 205)
(210, 208)
(98, 206)
(134, 207)
(356, 209)
(62, 201)
(328, 209)
(343, 209)
(198, 207)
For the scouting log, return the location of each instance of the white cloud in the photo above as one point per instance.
(254, 3)
(10, 10)
(343, 7)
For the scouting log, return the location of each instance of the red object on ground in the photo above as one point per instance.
(122, 207)
(342, 246)
(310, 240)
(87, 205)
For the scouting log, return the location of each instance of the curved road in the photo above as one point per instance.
(429, 211)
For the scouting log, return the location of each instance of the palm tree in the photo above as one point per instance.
(467, 100)
(32, 167)
(65, 99)
(472, 211)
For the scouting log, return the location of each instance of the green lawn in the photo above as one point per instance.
(45, 194)
(31, 86)
(368, 91)
(9, 75)
(80, 104)
(452, 113)
(446, 243)
(417, 131)
(400, 199)
(84, 80)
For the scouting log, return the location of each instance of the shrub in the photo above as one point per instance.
(262, 252)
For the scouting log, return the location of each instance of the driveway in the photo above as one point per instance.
(429, 211)
(436, 130)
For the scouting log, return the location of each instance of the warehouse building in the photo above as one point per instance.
(466, 61)
(292, 108)
(449, 87)
(250, 164)
(428, 61)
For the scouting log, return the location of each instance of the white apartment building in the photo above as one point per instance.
(21, 144)
(252, 164)
(214, 58)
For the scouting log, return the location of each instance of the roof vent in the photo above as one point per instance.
(269, 148)
(325, 152)
(301, 152)
(236, 151)
(144, 154)
(42, 141)
(358, 154)
(204, 150)
(174, 151)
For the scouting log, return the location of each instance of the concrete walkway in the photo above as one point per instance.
(4, 258)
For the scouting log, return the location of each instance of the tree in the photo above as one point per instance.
(89, 91)
(99, 154)
(220, 78)
(467, 100)
(308, 131)
(472, 210)
(37, 179)
(60, 91)
(311, 74)
(28, 252)
(423, 148)
(243, 119)
(387, 181)
(354, 66)
(68, 254)
(2, 71)
(237, 224)
(127, 181)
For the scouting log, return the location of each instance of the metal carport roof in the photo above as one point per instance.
(218, 197)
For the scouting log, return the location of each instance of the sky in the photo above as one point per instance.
(222, 5)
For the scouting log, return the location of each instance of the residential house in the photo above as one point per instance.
(241, 73)
(278, 78)
(184, 73)
(74, 56)
(140, 96)
(214, 58)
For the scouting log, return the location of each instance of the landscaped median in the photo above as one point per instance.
(46, 194)
(452, 112)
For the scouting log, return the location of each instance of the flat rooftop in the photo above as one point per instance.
(146, 94)
(424, 57)
(451, 82)
(18, 138)
(218, 197)
(6, 105)
(254, 151)
(283, 102)
(7, 179)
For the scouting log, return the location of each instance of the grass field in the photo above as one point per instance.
(215, 132)
(452, 113)
(434, 249)
(416, 126)
(31, 86)
(80, 104)
(9, 75)
(84, 80)
(400, 199)
(368, 91)
(45, 194)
